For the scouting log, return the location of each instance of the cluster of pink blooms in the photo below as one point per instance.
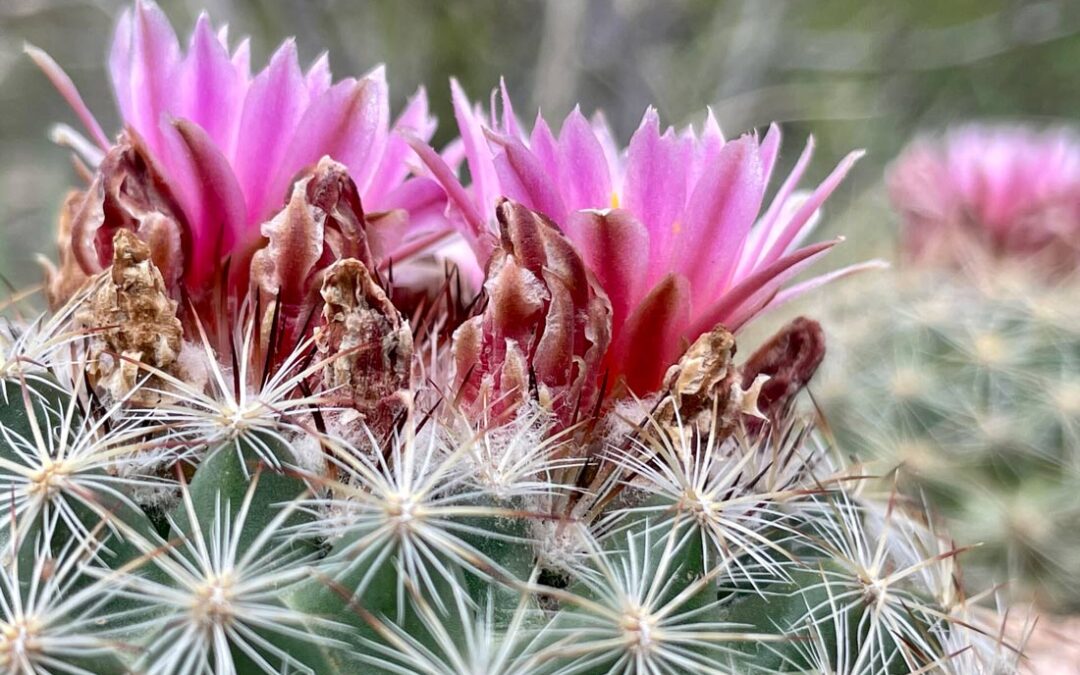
(599, 263)
(1007, 192)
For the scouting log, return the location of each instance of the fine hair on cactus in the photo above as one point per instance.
(306, 399)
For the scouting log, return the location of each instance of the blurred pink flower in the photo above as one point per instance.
(1006, 191)
(673, 226)
(229, 144)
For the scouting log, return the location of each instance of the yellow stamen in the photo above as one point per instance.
(614, 200)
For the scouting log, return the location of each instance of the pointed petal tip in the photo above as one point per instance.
(64, 85)
(650, 119)
(377, 73)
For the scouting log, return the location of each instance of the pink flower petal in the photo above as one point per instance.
(474, 227)
(523, 179)
(485, 185)
(394, 166)
(766, 297)
(615, 246)
(543, 144)
(651, 338)
(583, 170)
(655, 188)
(209, 90)
(763, 282)
(241, 59)
(765, 233)
(275, 102)
(348, 123)
(154, 57)
(67, 89)
(770, 149)
(707, 148)
(810, 206)
(318, 77)
(719, 214)
(212, 202)
(120, 65)
(509, 121)
(792, 292)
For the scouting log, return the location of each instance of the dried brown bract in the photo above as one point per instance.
(789, 359)
(322, 223)
(128, 193)
(702, 382)
(369, 343)
(132, 321)
(63, 281)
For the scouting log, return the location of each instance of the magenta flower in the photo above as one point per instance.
(673, 226)
(229, 144)
(1006, 191)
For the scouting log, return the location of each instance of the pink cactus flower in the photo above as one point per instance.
(674, 227)
(229, 144)
(1009, 192)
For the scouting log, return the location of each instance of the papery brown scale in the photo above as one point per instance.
(132, 321)
(367, 342)
(702, 384)
(331, 191)
(64, 280)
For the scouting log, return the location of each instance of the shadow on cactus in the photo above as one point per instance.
(259, 435)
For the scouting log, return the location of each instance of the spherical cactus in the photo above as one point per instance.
(969, 390)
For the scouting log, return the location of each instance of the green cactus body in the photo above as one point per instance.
(170, 540)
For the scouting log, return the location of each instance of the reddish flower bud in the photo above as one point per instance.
(546, 326)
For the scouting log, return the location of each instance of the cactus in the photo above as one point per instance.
(969, 389)
(183, 538)
(319, 457)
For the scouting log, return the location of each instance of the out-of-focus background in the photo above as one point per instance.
(855, 73)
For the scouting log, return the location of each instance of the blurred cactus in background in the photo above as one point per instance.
(970, 391)
(961, 371)
(255, 432)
